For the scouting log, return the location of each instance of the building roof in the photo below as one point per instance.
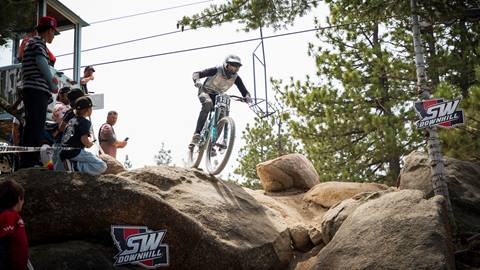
(66, 18)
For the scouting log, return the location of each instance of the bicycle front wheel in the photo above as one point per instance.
(219, 151)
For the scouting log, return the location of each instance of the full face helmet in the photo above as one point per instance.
(232, 60)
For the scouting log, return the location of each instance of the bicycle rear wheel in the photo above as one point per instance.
(219, 151)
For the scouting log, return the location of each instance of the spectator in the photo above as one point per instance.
(107, 136)
(13, 238)
(21, 50)
(38, 85)
(77, 135)
(62, 105)
(87, 76)
(72, 96)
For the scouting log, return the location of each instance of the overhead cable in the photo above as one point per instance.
(125, 42)
(152, 11)
(224, 44)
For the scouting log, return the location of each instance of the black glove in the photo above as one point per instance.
(248, 98)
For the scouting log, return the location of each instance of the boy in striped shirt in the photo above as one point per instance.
(38, 86)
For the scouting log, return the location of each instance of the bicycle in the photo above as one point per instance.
(217, 137)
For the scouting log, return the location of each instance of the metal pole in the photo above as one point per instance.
(16, 41)
(254, 78)
(77, 47)
(433, 141)
(41, 8)
(264, 69)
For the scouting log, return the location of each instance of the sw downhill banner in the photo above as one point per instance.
(437, 112)
(139, 245)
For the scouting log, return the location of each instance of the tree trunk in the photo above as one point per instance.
(433, 142)
(393, 157)
(280, 150)
(433, 67)
(466, 74)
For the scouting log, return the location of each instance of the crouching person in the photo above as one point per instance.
(77, 135)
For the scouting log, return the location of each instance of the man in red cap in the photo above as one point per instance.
(38, 86)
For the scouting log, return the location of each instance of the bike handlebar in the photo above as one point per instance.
(236, 98)
(254, 105)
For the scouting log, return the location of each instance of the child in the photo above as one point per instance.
(77, 135)
(13, 238)
(72, 96)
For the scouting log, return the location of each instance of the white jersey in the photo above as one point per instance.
(220, 82)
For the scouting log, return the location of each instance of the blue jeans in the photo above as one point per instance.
(89, 163)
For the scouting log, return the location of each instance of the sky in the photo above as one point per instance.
(155, 97)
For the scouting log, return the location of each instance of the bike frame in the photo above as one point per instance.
(222, 104)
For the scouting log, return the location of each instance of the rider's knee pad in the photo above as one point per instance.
(207, 106)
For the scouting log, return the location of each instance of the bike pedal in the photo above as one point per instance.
(221, 145)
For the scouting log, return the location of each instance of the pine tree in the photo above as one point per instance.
(463, 142)
(266, 140)
(163, 157)
(127, 163)
(357, 125)
(355, 119)
(252, 14)
(16, 16)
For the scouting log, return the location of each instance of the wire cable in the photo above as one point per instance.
(125, 42)
(138, 39)
(224, 44)
(148, 12)
(196, 48)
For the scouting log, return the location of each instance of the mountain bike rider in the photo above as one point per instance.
(219, 80)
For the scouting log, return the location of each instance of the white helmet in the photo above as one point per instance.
(232, 60)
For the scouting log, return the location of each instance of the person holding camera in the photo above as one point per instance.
(87, 76)
(108, 138)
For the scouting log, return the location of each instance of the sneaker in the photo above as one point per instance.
(195, 139)
(222, 146)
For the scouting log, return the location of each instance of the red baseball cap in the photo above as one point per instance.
(48, 21)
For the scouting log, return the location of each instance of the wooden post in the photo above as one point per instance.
(433, 141)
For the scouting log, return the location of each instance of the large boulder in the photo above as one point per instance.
(398, 230)
(463, 180)
(205, 218)
(336, 215)
(328, 194)
(300, 238)
(113, 166)
(74, 255)
(290, 206)
(285, 172)
(302, 218)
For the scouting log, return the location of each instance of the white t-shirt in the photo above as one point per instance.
(59, 111)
